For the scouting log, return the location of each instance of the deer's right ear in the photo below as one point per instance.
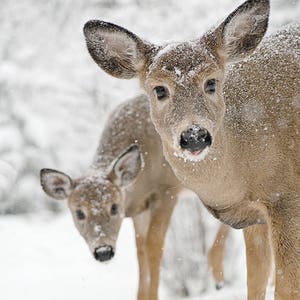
(56, 184)
(116, 50)
(243, 29)
(126, 167)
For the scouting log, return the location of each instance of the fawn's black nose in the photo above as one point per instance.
(195, 138)
(104, 253)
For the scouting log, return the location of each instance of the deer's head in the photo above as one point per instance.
(183, 81)
(97, 201)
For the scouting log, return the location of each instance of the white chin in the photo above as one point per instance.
(186, 155)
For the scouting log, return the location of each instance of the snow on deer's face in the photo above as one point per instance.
(98, 210)
(184, 84)
(183, 80)
(97, 201)
(96, 204)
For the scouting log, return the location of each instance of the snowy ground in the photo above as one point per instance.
(45, 258)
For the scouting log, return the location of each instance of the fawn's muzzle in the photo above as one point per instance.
(104, 253)
(195, 139)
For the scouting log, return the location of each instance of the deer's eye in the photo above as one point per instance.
(80, 214)
(210, 86)
(161, 92)
(114, 209)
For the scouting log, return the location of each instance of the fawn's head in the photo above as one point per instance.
(183, 81)
(97, 201)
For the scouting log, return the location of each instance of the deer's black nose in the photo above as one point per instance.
(104, 253)
(195, 138)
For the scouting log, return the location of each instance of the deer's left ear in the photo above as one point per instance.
(116, 50)
(56, 184)
(126, 167)
(242, 31)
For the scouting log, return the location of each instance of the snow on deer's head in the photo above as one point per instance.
(184, 81)
(96, 201)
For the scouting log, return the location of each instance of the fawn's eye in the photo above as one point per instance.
(161, 92)
(114, 209)
(80, 214)
(210, 86)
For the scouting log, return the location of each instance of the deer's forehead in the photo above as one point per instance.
(94, 194)
(182, 62)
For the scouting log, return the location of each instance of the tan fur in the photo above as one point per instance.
(149, 200)
(251, 172)
(258, 254)
(258, 158)
(216, 254)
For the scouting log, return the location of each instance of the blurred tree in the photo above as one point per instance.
(53, 98)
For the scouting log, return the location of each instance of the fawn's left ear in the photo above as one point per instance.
(116, 50)
(126, 166)
(242, 31)
(56, 184)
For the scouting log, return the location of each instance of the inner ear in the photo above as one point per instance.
(56, 184)
(243, 29)
(127, 166)
(116, 50)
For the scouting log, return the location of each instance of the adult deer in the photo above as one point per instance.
(229, 132)
(128, 178)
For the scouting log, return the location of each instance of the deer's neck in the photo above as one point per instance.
(214, 178)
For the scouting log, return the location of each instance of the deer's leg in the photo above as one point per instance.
(258, 254)
(159, 222)
(216, 255)
(141, 224)
(285, 226)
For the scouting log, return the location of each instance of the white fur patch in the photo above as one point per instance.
(187, 156)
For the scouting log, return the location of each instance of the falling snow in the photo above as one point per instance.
(54, 103)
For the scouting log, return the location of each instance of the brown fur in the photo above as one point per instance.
(259, 258)
(250, 174)
(216, 253)
(149, 200)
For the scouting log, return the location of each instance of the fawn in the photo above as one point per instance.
(227, 107)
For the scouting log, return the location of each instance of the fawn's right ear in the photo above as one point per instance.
(116, 50)
(56, 184)
(126, 167)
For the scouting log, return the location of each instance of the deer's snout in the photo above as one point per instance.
(104, 253)
(195, 138)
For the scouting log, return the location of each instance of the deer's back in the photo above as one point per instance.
(128, 124)
(263, 107)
